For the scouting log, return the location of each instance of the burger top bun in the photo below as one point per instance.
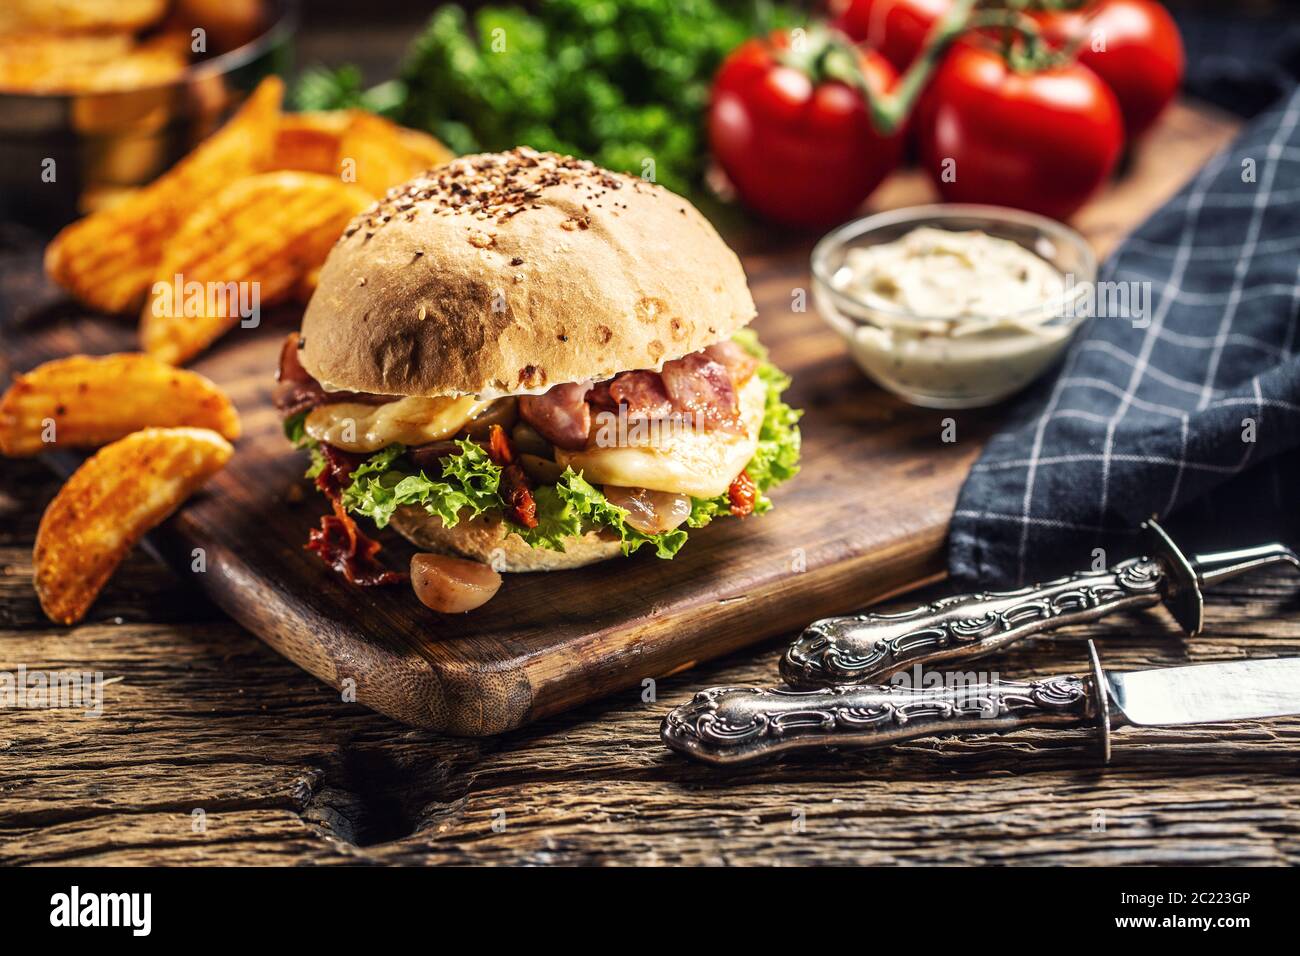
(512, 272)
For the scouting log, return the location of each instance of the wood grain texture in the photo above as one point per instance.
(865, 519)
(205, 718)
(550, 641)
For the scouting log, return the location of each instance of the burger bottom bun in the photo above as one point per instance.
(488, 540)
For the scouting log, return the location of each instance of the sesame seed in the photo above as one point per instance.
(494, 186)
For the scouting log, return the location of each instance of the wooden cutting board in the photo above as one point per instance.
(865, 519)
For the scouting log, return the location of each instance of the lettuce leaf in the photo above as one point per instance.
(470, 483)
(295, 429)
(318, 461)
(573, 505)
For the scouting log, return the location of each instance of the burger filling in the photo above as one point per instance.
(644, 455)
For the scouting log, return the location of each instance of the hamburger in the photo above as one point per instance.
(528, 361)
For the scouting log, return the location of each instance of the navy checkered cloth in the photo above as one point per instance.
(1192, 411)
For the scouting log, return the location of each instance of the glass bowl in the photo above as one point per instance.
(945, 362)
(98, 144)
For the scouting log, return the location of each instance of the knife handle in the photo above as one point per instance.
(867, 648)
(733, 725)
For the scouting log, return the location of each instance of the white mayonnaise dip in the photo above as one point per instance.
(949, 318)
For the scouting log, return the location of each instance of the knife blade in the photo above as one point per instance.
(736, 725)
(1206, 693)
(867, 648)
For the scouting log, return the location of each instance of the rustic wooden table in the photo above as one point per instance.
(203, 717)
(212, 749)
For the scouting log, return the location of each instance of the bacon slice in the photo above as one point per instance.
(339, 466)
(600, 398)
(296, 391)
(643, 393)
(739, 363)
(700, 386)
(703, 384)
(561, 415)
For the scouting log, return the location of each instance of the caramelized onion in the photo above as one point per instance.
(650, 512)
(502, 412)
(428, 458)
(452, 585)
(528, 439)
(543, 471)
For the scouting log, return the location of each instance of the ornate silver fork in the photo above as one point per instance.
(867, 648)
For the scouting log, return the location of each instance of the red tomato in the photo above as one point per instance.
(1131, 44)
(799, 151)
(897, 28)
(1042, 141)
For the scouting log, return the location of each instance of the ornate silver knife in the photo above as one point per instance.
(733, 725)
(867, 648)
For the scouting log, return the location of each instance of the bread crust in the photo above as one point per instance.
(488, 540)
(553, 271)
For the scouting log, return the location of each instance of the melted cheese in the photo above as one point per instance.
(361, 428)
(683, 460)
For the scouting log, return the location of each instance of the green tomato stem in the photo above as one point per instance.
(891, 114)
(890, 110)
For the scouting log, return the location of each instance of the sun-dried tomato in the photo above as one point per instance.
(516, 490)
(742, 494)
(343, 546)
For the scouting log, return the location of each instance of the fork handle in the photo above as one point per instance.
(867, 648)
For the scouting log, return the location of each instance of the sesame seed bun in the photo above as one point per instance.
(512, 272)
(487, 539)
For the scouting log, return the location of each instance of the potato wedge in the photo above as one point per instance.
(381, 154)
(49, 49)
(101, 197)
(30, 62)
(156, 62)
(108, 504)
(254, 240)
(108, 259)
(77, 15)
(427, 150)
(86, 400)
(309, 142)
